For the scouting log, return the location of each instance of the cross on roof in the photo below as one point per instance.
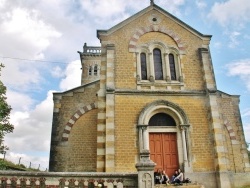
(151, 2)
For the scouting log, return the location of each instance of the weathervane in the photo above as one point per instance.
(151, 2)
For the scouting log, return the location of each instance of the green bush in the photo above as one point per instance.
(3, 165)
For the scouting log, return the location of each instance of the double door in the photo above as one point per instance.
(163, 151)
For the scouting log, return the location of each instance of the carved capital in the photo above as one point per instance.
(138, 78)
(142, 127)
(184, 126)
(168, 78)
(151, 78)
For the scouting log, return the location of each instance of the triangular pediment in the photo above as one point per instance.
(152, 7)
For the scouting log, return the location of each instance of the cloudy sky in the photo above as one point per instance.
(39, 41)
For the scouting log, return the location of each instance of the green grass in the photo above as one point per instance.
(8, 165)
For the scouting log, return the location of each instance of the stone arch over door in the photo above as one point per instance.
(181, 129)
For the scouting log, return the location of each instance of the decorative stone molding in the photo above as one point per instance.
(183, 119)
(230, 130)
(140, 32)
(74, 118)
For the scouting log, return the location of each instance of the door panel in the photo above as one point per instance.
(163, 151)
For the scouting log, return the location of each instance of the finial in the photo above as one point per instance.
(151, 2)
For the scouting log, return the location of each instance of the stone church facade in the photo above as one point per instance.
(149, 93)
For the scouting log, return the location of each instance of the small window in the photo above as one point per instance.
(172, 67)
(143, 66)
(90, 70)
(158, 64)
(95, 70)
(161, 119)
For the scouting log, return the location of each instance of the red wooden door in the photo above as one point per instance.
(163, 151)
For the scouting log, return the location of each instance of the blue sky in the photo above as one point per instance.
(39, 43)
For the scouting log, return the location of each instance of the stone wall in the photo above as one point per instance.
(74, 111)
(66, 179)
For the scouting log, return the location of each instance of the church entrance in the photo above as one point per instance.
(163, 151)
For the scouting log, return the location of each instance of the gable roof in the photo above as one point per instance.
(144, 11)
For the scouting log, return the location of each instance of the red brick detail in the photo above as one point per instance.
(131, 46)
(65, 139)
(230, 131)
(85, 108)
(75, 117)
(66, 131)
(145, 30)
(152, 28)
(79, 113)
(69, 124)
(133, 39)
(182, 48)
(233, 137)
(138, 33)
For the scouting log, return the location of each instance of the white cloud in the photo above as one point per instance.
(2, 2)
(21, 75)
(240, 68)
(18, 100)
(56, 72)
(28, 26)
(231, 12)
(234, 42)
(73, 76)
(32, 129)
(200, 4)
(115, 11)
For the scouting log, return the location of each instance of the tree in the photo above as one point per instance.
(5, 109)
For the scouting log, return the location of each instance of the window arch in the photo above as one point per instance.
(90, 70)
(95, 70)
(143, 66)
(158, 64)
(161, 119)
(172, 67)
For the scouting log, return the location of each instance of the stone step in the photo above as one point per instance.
(184, 185)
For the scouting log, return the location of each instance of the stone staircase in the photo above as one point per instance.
(184, 185)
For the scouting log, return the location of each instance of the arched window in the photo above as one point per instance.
(161, 119)
(143, 66)
(172, 67)
(90, 70)
(158, 64)
(95, 70)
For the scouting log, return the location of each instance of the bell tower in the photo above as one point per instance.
(91, 62)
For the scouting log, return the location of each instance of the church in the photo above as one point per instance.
(148, 93)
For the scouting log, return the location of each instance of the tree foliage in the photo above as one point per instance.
(5, 109)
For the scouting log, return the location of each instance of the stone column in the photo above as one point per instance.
(183, 129)
(151, 67)
(145, 166)
(138, 64)
(168, 76)
(143, 137)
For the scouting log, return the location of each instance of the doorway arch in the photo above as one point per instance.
(180, 129)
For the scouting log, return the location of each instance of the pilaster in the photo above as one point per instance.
(222, 175)
(207, 69)
(110, 113)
